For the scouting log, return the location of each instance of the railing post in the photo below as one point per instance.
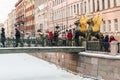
(118, 47)
(114, 48)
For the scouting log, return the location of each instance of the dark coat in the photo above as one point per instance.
(17, 34)
(3, 38)
(77, 34)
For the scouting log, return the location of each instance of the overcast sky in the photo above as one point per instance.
(6, 7)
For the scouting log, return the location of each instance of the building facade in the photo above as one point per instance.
(6, 26)
(11, 24)
(20, 16)
(29, 17)
(25, 17)
(63, 14)
(41, 16)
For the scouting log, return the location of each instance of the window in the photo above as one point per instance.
(57, 2)
(114, 3)
(104, 27)
(93, 5)
(109, 25)
(74, 8)
(41, 27)
(85, 6)
(81, 8)
(108, 3)
(103, 4)
(89, 5)
(53, 3)
(116, 24)
(77, 8)
(68, 11)
(64, 27)
(71, 10)
(98, 5)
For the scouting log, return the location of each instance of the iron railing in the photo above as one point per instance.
(97, 46)
(39, 42)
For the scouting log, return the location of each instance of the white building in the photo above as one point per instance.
(41, 16)
(6, 28)
(11, 24)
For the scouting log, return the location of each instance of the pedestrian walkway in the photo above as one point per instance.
(26, 67)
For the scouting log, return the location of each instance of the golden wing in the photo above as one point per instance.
(83, 22)
(97, 24)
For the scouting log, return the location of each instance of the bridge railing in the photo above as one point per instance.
(39, 42)
(23, 42)
(98, 46)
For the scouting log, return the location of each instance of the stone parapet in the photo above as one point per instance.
(114, 48)
(100, 66)
(97, 66)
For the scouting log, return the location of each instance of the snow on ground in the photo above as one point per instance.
(26, 67)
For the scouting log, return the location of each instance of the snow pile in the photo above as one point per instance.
(25, 67)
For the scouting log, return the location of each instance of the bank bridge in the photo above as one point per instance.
(44, 45)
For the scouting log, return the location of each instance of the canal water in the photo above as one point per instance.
(26, 67)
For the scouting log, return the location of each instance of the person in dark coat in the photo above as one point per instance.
(3, 38)
(17, 36)
(101, 42)
(55, 37)
(76, 37)
(106, 43)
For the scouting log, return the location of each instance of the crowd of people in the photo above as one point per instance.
(67, 38)
(105, 42)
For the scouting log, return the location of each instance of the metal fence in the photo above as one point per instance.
(39, 42)
(23, 42)
(97, 46)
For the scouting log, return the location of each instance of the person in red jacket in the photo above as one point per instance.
(50, 37)
(112, 38)
(69, 38)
